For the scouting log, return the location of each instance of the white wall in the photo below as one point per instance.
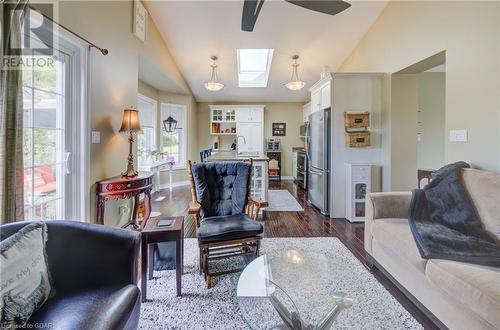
(410, 31)
(354, 93)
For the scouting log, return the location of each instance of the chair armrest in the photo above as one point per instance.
(254, 206)
(194, 208)
(82, 255)
(259, 203)
(388, 205)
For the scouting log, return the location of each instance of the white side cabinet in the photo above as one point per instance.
(361, 179)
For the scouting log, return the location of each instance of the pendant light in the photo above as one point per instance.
(170, 125)
(295, 84)
(214, 85)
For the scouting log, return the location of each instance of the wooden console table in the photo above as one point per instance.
(119, 187)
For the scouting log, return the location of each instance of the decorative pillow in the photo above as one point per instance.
(25, 280)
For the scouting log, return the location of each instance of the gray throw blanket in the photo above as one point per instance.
(445, 224)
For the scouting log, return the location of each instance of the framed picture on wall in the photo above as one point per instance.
(279, 129)
(140, 21)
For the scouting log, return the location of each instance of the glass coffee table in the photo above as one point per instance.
(292, 290)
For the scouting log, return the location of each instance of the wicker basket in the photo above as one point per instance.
(357, 139)
(356, 120)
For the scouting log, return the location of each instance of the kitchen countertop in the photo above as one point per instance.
(227, 156)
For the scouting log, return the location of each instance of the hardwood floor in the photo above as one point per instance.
(310, 223)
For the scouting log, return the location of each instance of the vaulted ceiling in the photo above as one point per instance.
(195, 30)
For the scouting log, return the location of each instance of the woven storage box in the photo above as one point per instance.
(356, 120)
(357, 139)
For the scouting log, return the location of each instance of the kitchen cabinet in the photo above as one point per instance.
(306, 111)
(259, 180)
(250, 138)
(321, 95)
(326, 95)
(250, 115)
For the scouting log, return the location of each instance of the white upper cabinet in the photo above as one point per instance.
(250, 115)
(306, 111)
(326, 93)
(321, 94)
(315, 100)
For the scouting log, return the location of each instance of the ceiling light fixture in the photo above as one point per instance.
(214, 85)
(295, 84)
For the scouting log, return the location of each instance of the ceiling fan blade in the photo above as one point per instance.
(251, 10)
(330, 7)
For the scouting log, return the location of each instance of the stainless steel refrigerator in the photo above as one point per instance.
(318, 154)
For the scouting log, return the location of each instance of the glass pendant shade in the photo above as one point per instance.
(170, 124)
(214, 85)
(295, 83)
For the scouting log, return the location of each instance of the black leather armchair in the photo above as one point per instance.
(94, 272)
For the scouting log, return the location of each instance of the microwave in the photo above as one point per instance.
(303, 130)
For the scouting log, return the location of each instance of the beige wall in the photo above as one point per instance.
(113, 79)
(179, 175)
(289, 113)
(408, 32)
(403, 122)
(431, 120)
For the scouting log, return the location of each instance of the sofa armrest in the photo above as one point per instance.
(384, 206)
(83, 255)
(388, 205)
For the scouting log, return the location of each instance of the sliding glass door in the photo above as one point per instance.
(46, 140)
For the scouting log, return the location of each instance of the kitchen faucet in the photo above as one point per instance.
(238, 143)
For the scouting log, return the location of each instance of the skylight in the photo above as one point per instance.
(254, 66)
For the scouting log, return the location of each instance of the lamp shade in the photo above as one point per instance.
(130, 122)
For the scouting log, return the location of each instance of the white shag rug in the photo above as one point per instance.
(218, 308)
(282, 200)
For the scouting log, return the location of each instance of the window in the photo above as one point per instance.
(254, 66)
(146, 141)
(174, 144)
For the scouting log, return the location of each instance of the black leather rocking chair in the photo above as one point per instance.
(225, 213)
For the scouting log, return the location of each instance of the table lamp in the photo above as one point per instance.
(131, 125)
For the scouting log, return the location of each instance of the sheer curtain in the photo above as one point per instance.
(11, 115)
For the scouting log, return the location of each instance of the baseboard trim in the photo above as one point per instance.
(175, 184)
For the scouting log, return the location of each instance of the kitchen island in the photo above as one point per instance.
(259, 171)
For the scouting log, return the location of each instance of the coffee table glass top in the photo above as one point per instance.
(292, 289)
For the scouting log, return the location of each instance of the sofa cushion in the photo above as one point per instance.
(484, 190)
(477, 287)
(103, 308)
(25, 279)
(395, 235)
(228, 227)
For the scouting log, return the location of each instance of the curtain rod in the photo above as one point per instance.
(104, 51)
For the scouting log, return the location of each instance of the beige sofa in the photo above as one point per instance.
(459, 295)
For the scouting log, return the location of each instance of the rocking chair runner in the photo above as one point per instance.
(225, 213)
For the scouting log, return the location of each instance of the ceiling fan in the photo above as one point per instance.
(251, 9)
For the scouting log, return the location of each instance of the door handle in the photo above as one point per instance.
(67, 162)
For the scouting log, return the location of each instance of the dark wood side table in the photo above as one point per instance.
(424, 174)
(152, 234)
(119, 187)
